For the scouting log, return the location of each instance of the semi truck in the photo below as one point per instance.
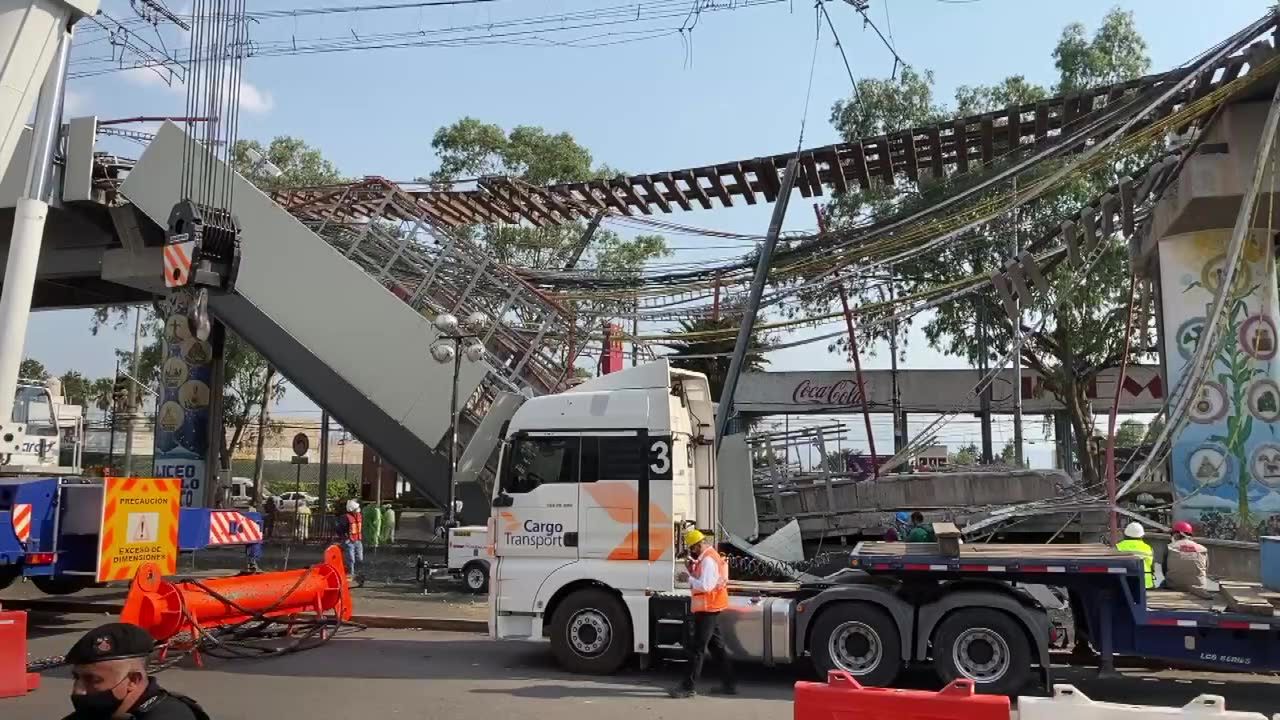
(597, 483)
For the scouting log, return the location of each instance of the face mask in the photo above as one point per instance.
(99, 705)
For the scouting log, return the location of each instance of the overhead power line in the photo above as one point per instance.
(616, 24)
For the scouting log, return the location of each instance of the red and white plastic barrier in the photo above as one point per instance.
(842, 697)
(230, 527)
(1069, 703)
(15, 681)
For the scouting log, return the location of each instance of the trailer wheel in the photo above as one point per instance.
(590, 633)
(985, 646)
(860, 639)
(475, 576)
(59, 586)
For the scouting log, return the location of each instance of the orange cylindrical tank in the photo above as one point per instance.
(165, 608)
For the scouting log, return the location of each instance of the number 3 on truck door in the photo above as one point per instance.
(660, 459)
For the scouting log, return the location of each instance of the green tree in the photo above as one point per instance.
(1083, 334)
(300, 164)
(1008, 455)
(1130, 433)
(1115, 53)
(100, 393)
(967, 455)
(470, 148)
(76, 388)
(710, 355)
(32, 369)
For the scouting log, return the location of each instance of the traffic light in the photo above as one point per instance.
(120, 394)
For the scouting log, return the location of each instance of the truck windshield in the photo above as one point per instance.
(32, 408)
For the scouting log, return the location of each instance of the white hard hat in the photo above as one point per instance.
(1134, 530)
(353, 506)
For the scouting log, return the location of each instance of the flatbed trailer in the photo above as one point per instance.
(976, 614)
(50, 527)
(1114, 610)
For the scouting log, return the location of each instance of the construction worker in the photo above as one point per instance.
(919, 532)
(110, 680)
(709, 581)
(1185, 562)
(1133, 543)
(388, 524)
(351, 530)
(302, 519)
(373, 525)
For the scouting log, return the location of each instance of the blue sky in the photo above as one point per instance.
(643, 106)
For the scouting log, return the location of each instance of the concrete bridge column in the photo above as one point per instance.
(182, 432)
(1225, 461)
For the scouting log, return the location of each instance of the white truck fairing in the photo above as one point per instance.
(594, 483)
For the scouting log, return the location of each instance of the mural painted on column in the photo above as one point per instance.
(1225, 461)
(182, 409)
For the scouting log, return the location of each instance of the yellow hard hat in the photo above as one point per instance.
(693, 536)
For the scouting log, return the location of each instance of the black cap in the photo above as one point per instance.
(113, 641)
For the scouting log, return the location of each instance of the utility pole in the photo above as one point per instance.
(133, 392)
(745, 331)
(324, 466)
(1017, 343)
(899, 418)
(115, 410)
(984, 367)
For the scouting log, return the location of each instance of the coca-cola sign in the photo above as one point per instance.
(839, 393)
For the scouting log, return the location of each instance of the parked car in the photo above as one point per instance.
(291, 501)
(241, 495)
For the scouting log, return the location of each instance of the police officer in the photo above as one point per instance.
(109, 668)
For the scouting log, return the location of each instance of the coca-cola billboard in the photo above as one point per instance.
(838, 393)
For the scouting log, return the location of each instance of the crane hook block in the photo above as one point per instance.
(168, 608)
(210, 240)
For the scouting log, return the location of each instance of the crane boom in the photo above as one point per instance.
(35, 40)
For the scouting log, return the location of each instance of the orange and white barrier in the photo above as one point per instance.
(1069, 703)
(842, 697)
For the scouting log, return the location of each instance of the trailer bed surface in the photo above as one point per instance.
(985, 552)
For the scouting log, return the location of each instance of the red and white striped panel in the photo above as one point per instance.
(22, 521)
(177, 263)
(229, 527)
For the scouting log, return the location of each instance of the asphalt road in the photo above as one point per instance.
(412, 674)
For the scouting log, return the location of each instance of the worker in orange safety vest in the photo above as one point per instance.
(351, 530)
(709, 581)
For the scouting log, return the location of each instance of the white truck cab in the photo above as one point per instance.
(595, 485)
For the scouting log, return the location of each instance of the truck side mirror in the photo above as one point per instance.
(503, 500)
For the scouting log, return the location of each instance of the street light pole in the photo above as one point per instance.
(450, 512)
(452, 350)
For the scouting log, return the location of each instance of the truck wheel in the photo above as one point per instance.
(985, 646)
(7, 576)
(591, 633)
(860, 639)
(59, 586)
(475, 576)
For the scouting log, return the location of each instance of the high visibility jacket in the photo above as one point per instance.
(1144, 551)
(355, 526)
(716, 599)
